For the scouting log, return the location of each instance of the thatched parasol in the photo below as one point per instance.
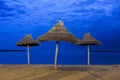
(28, 41)
(58, 33)
(88, 40)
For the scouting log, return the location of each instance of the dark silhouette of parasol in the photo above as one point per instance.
(58, 33)
(86, 41)
(28, 41)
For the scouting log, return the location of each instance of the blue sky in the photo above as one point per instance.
(99, 17)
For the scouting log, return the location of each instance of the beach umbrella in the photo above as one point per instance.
(87, 41)
(28, 41)
(58, 33)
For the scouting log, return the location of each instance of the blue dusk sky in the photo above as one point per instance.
(101, 18)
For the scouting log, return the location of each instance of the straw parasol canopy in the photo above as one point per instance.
(86, 41)
(28, 41)
(58, 33)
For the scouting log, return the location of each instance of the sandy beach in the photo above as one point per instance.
(68, 72)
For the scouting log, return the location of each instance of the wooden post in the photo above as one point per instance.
(28, 54)
(88, 50)
(56, 54)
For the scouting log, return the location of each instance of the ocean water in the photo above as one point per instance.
(73, 55)
(100, 18)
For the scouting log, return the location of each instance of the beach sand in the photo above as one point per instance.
(64, 72)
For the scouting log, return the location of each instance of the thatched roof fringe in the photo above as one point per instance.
(58, 33)
(88, 40)
(27, 40)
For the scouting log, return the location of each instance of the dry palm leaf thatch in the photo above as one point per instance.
(86, 41)
(58, 33)
(28, 41)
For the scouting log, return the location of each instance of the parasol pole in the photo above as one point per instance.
(88, 50)
(56, 54)
(28, 53)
